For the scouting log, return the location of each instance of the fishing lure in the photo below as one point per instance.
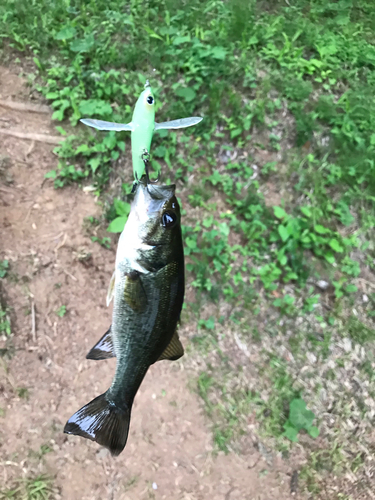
(142, 128)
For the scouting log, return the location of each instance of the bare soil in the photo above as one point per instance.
(170, 452)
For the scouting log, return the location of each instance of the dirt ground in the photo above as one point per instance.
(169, 454)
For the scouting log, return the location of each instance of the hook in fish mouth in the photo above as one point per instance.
(147, 84)
(146, 159)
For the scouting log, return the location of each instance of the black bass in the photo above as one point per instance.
(148, 289)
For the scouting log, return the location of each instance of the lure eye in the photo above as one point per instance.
(168, 219)
(150, 99)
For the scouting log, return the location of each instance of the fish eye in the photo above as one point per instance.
(150, 99)
(168, 219)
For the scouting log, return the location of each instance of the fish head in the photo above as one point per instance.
(156, 213)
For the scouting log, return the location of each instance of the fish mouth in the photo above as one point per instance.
(152, 197)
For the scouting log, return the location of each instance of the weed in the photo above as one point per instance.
(61, 311)
(5, 327)
(4, 267)
(104, 242)
(122, 210)
(299, 419)
(22, 392)
(39, 488)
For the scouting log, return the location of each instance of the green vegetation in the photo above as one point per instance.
(39, 488)
(4, 266)
(5, 328)
(61, 311)
(278, 184)
(299, 419)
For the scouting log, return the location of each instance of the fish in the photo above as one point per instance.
(148, 291)
(142, 128)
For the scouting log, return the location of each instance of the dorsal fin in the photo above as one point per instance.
(174, 349)
(103, 349)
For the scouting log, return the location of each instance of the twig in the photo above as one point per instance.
(70, 275)
(61, 244)
(33, 325)
(32, 145)
(29, 212)
(21, 106)
(5, 190)
(49, 139)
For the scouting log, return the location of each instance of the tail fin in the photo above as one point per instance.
(101, 421)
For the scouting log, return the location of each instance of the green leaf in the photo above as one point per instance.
(186, 93)
(97, 107)
(4, 265)
(306, 211)
(83, 148)
(181, 39)
(83, 45)
(219, 53)
(321, 229)
(290, 432)
(335, 245)
(121, 207)
(66, 33)
(351, 289)
(50, 175)
(52, 95)
(61, 130)
(117, 225)
(283, 232)
(299, 416)
(282, 258)
(38, 63)
(329, 257)
(313, 431)
(279, 212)
(94, 163)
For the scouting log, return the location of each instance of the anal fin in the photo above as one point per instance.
(103, 349)
(174, 349)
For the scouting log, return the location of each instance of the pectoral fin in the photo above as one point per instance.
(103, 125)
(103, 349)
(180, 123)
(174, 349)
(111, 288)
(134, 293)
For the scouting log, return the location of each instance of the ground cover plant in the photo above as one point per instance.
(277, 186)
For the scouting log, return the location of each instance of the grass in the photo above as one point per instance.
(38, 488)
(277, 184)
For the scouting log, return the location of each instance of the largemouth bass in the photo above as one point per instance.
(148, 290)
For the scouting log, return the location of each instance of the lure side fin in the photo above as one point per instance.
(180, 123)
(111, 288)
(103, 125)
(103, 349)
(174, 349)
(102, 421)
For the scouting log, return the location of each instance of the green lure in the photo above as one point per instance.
(142, 128)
